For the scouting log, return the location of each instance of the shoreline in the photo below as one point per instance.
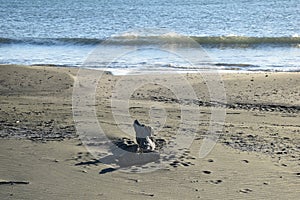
(124, 72)
(260, 135)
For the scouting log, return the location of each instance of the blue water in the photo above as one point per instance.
(235, 34)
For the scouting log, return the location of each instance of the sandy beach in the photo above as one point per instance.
(257, 155)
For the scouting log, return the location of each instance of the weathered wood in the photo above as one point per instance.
(143, 136)
(8, 182)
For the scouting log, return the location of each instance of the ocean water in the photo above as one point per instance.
(232, 35)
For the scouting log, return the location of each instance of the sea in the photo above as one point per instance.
(152, 35)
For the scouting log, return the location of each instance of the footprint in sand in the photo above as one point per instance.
(247, 190)
(206, 172)
(215, 181)
(245, 161)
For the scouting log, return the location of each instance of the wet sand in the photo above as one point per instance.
(256, 156)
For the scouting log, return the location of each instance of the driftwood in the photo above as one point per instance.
(127, 153)
(143, 137)
(6, 182)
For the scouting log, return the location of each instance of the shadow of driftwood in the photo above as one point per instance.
(124, 153)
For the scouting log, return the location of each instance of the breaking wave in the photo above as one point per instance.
(209, 41)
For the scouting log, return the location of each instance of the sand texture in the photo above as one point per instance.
(257, 155)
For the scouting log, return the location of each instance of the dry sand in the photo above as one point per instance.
(257, 155)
